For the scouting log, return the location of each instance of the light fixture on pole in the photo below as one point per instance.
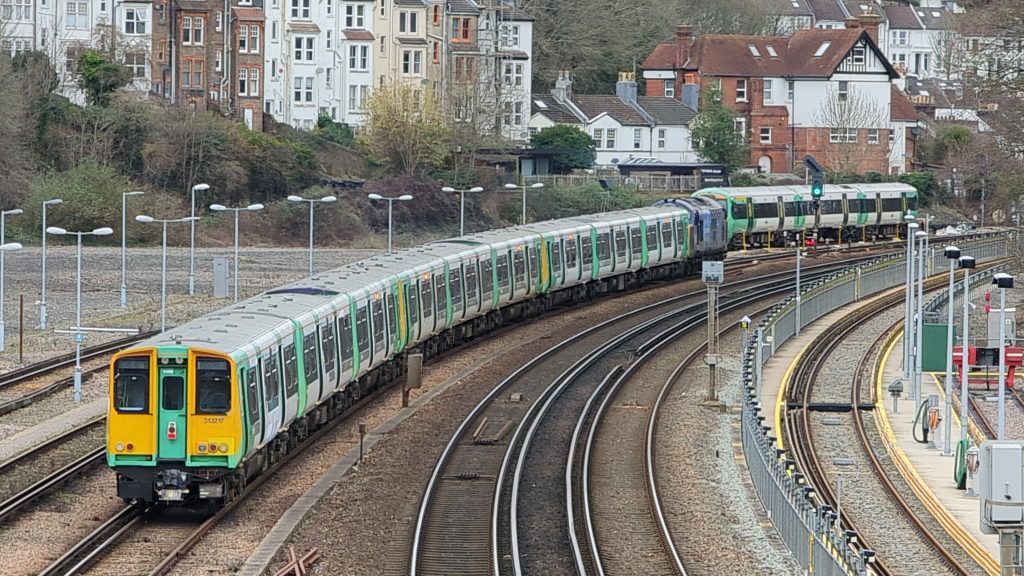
(249, 208)
(952, 253)
(966, 262)
(462, 204)
(312, 204)
(922, 237)
(42, 288)
(391, 200)
(124, 245)
(5, 247)
(192, 242)
(1003, 281)
(163, 261)
(511, 186)
(79, 337)
(908, 298)
(799, 257)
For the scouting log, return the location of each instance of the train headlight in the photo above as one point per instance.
(119, 447)
(223, 447)
(202, 447)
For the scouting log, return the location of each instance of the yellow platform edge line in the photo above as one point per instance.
(972, 429)
(951, 525)
(780, 398)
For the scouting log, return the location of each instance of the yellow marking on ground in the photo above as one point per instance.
(781, 397)
(950, 524)
(972, 429)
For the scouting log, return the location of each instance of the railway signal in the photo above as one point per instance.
(816, 172)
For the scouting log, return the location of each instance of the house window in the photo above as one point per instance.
(135, 21)
(273, 31)
(460, 29)
(192, 74)
(766, 135)
(790, 86)
(383, 45)
(513, 74)
(464, 70)
(383, 9)
(161, 51)
(192, 30)
(77, 15)
(407, 22)
(844, 90)
(243, 81)
(71, 56)
(330, 7)
(899, 37)
(661, 137)
(670, 89)
(17, 9)
(843, 135)
(739, 125)
(510, 36)
(598, 138)
(741, 90)
(768, 86)
(637, 132)
(609, 138)
(900, 60)
(437, 15)
(243, 38)
(300, 9)
(218, 21)
(858, 54)
(303, 89)
(304, 48)
(136, 62)
(358, 58)
(514, 114)
(329, 74)
(330, 40)
(412, 62)
(254, 82)
(218, 60)
(437, 51)
(872, 135)
(354, 17)
(273, 67)
(254, 39)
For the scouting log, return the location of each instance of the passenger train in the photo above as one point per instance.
(199, 410)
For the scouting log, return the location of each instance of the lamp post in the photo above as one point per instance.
(966, 262)
(312, 204)
(462, 204)
(922, 238)
(4, 247)
(952, 253)
(79, 337)
(908, 301)
(124, 245)
(799, 257)
(42, 288)
(391, 200)
(1003, 281)
(163, 261)
(249, 208)
(192, 243)
(511, 186)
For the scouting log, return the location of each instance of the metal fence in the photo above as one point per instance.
(817, 540)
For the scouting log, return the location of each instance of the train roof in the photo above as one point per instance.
(762, 191)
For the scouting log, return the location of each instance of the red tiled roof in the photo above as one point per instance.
(827, 10)
(248, 13)
(662, 58)
(901, 108)
(901, 17)
(357, 34)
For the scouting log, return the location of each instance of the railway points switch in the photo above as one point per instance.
(1000, 485)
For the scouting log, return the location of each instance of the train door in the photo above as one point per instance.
(171, 422)
(329, 350)
(426, 305)
(636, 246)
(878, 208)
(650, 243)
(488, 292)
(311, 367)
(391, 320)
(846, 210)
(271, 380)
(573, 266)
(557, 247)
(248, 377)
(588, 256)
(542, 266)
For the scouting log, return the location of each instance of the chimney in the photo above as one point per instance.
(625, 88)
(563, 86)
(852, 22)
(870, 21)
(684, 39)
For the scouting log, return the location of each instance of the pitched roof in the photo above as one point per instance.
(827, 10)
(901, 108)
(934, 18)
(553, 109)
(790, 8)
(248, 13)
(938, 93)
(462, 7)
(666, 111)
(357, 34)
(409, 3)
(597, 104)
(855, 8)
(901, 17)
(663, 57)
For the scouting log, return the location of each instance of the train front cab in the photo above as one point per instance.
(174, 428)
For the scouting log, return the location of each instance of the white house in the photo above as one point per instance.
(623, 126)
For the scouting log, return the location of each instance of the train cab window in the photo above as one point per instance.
(486, 280)
(911, 202)
(666, 233)
(213, 386)
(131, 385)
(519, 268)
(345, 328)
(739, 211)
(570, 252)
(414, 305)
(472, 287)
(309, 363)
(586, 254)
(391, 312)
(635, 243)
(291, 370)
(172, 393)
(604, 250)
(252, 396)
(377, 314)
(427, 297)
(271, 382)
(363, 332)
(651, 231)
(556, 258)
(330, 340)
(503, 273)
(440, 295)
(455, 286)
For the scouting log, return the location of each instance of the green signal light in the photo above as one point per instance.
(817, 188)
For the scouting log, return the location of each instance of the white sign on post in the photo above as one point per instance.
(712, 272)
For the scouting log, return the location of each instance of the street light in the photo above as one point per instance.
(966, 262)
(952, 253)
(249, 208)
(79, 337)
(163, 262)
(312, 203)
(1003, 281)
(192, 244)
(462, 204)
(799, 256)
(922, 237)
(908, 300)
(391, 201)
(511, 186)
(124, 245)
(42, 289)
(4, 247)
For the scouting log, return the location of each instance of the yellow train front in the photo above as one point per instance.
(174, 424)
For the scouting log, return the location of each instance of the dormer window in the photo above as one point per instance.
(858, 55)
(771, 51)
(753, 50)
(821, 49)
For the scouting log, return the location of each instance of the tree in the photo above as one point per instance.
(563, 136)
(406, 129)
(714, 134)
(100, 77)
(845, 115)
(337, 132)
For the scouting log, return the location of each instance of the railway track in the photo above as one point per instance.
(799, 428)
(476, 497)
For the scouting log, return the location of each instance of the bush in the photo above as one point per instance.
(550, 203)
(924, 182)
(335, 132)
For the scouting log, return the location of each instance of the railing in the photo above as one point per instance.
(645, 182)
(818, 545)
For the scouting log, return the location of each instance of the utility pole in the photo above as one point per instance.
(713, 273)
